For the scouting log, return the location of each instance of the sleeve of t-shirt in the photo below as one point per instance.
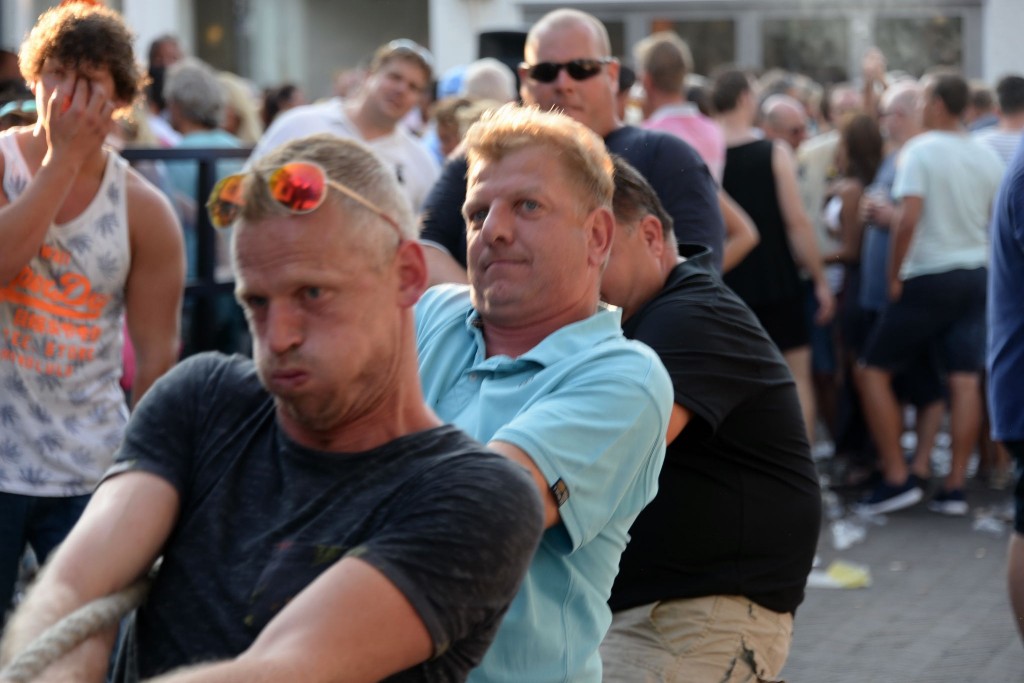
(685, 187)
(271, 138)
(601, 433)
(911, 178)
(707, 353)
(161, 435)
(417, 170)
(292, 124)
(1015, 203)
(997, 170)
(441, 222)
(459, 545)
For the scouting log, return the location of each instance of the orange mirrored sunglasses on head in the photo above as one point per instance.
(299, 186)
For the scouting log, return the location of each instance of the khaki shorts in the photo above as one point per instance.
(716, 639)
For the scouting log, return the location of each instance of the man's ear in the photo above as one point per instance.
(651, 233)
(411, 267)
(524, 90)
(612, 69)
(601, 226)
(645, 81)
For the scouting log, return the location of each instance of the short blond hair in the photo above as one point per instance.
(666, 59)
(405, 49)
(581, 151)
(238, 96)
(349, 163)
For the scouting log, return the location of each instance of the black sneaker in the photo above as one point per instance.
(888, 498)
(950, 503)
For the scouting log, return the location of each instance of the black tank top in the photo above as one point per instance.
(768, 274)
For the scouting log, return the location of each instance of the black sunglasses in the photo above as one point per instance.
(578, 69)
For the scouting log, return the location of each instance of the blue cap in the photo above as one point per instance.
(450, 82)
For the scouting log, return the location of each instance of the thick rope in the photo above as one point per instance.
(69, 632)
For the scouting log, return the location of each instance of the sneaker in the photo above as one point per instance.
(888, 498)
(949, 503)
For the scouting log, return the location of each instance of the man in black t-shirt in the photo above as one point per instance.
(720, 558)
(316, 520)
(574, 47)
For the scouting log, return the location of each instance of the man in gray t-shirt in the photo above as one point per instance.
(316, 519)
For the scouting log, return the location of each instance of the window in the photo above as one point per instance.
(819, 48)
(617, 36)
(915, 44)
(712, 43)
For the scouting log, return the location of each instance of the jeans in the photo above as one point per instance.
(30, 520)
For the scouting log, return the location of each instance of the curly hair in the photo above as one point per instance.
(81, 33)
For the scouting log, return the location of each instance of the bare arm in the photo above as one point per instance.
(877, 211)
(155, 284)
(115, 542)
(73, 137)
(741, 234)
(873, 68)
(679, 418)
(351, 625)
(799, 229)
(902, 233)
(441, 267)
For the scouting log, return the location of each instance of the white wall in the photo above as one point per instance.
(146, 18)
(455, 25)
(18, 17)
(1002, 49)
(343, 34)
(150, 19)
(271, 21)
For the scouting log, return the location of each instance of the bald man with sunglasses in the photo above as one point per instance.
(568, 67)
(316, 520)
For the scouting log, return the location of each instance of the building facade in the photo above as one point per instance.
(308, 41)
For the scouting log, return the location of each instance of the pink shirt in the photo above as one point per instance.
(685, 121)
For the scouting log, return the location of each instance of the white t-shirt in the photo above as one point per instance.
(416, 168)
(957, 178)
(1003, 142)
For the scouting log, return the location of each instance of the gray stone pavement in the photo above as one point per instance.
(936, 609)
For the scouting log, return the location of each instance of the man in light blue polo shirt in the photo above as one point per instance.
(527, 359)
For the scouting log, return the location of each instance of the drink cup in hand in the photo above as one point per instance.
(875, 199)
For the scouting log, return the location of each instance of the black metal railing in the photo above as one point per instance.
(203, 288)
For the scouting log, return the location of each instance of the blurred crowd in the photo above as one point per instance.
(807, 169)
(845, 224)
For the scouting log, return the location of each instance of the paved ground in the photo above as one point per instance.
(936, 609)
